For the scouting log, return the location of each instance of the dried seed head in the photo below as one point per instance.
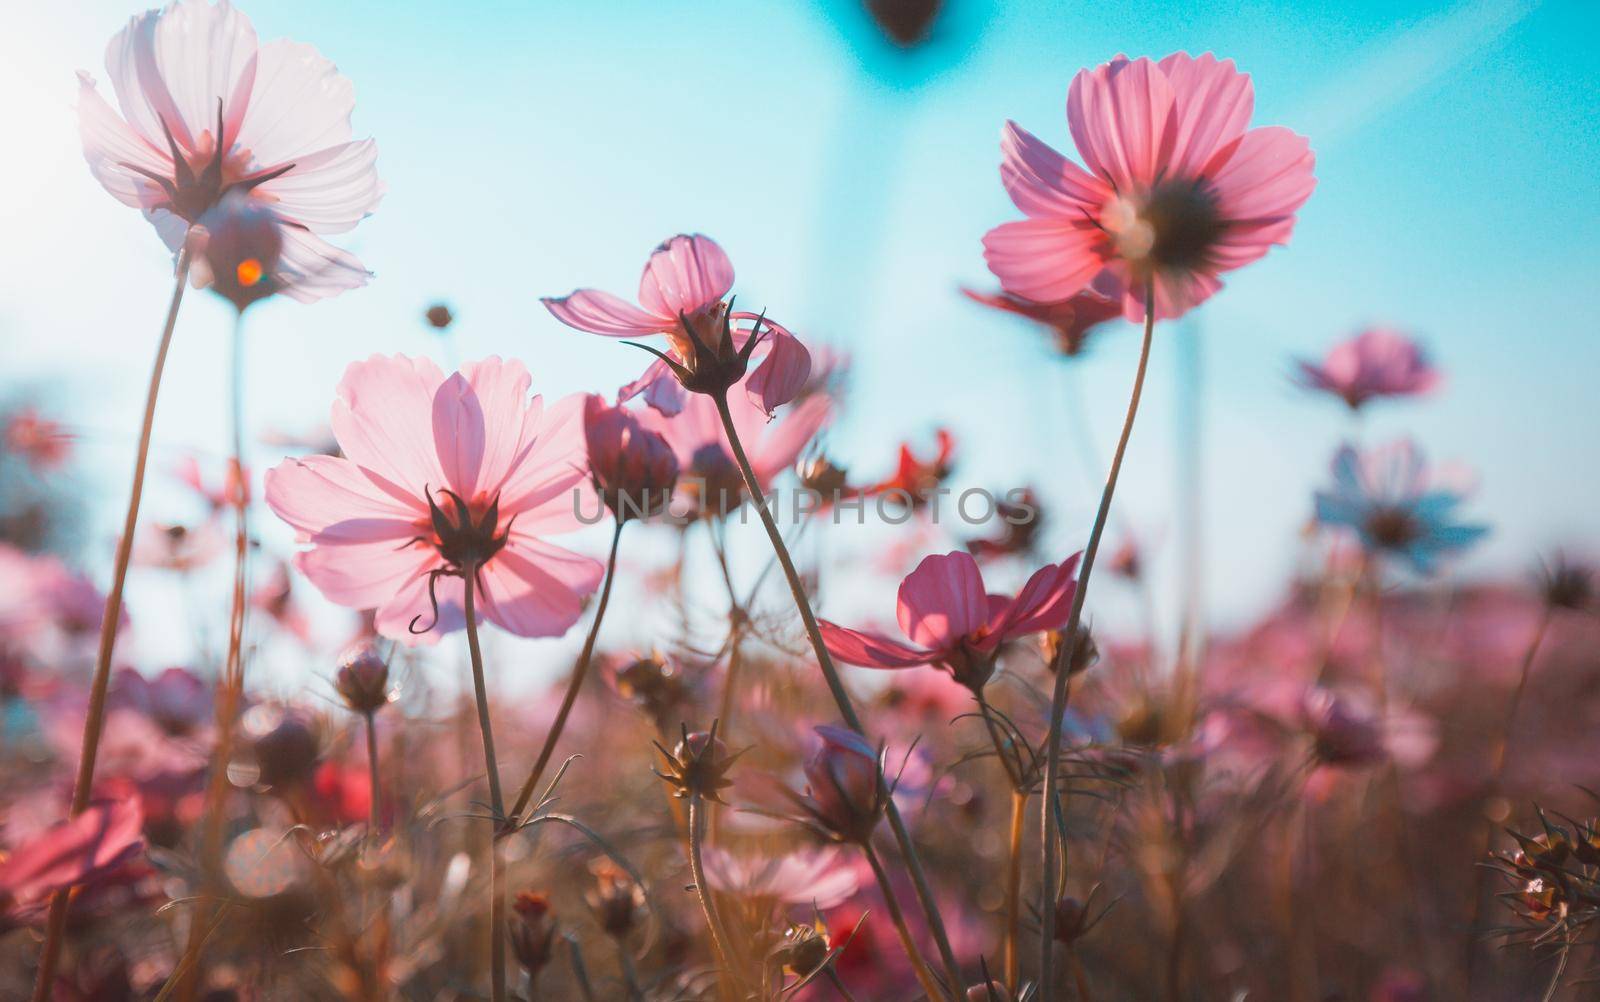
(804, 948)
(1077, 657)
(363, 678)
(439, 316)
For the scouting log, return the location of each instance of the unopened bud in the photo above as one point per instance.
(363, 678)
(532, 931)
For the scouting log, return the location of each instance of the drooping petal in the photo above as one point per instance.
(383, 421)
(782, 374)
(1044, 184)
(313, 269)
(602, 313)
(660, 387)
(300, 105)
(1211, 107)
(329, 191)
(869, 650)
(782, 442)
(684, 275)
(1045, 260)
(535, 589)
(942, 600)
(1118, 116)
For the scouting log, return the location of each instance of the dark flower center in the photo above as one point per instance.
(1172, 228)
(1393, 528)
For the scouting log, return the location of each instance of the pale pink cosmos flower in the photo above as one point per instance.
(820, 877)
(1178, 188)
(1378, 362)
(438, 473)
(705, 462)
(72, 853)
(205, 111)
(683, 294)
(954, 623)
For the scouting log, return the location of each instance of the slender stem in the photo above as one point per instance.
(1497, 766)
(94, 723)
(838, 983)
(497, 900)
(1050, 802)
(841, 697)
(230, 689)
(1561, 968)
(372, 773)
(920, 966)
(719, 933)
(578, 675)
(1019, 811)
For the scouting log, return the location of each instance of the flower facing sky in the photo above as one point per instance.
(1178, 189)
(1378, 362)
(441, 475)
(1388, 498)
(683, 294)
(954, 623)
(205, 111)
(1070, 322)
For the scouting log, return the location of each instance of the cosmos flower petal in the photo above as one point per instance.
(1212, 105)
(551, 463)
(106, 835)
(942, 600)
(536, 589)
(1263, 180)
(782, 374)
(1118, 116)
(1043, 183)
(660, 387)
(313, 269)
(300, 104)
(869, 650)
(602, 313)
(329, 499)
(176, 64)
(684, 275)
(364, 575)
(1045, 260)
(110, 147)
(329, 191)
(1044, 603)
(410, 601)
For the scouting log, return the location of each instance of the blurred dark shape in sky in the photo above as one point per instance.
(904, 43)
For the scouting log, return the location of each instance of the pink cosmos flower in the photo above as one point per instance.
(206, 111)
(42, 443)
(89, 847)
(954, 623)
(683, 294)
(442, 474)
(820, 877)
(1070, 321)
(701, 446)
(1178, 188)
(1378, 362)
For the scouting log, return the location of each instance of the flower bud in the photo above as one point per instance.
(698, 766)
(633, 468)
(803, 949)
(718, 484)
(240, 242)
(286, 753)
(1341, 734)
(1077, 657)
(615, 899)
(843, 784)
(1071, 919)
(439, 316)
(532, 931)
(363, 678)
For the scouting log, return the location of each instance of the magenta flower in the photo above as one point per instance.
(206, 111)
(632, 468)
(440, 475)
(71, 853)
(1178, 188)
(1378, 362)
(706, 463)
(954, 623)
(682, 294)
(1070, 321)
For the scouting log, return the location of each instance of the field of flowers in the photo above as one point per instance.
(1377, 792)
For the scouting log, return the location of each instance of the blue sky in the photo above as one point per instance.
(531, 148)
